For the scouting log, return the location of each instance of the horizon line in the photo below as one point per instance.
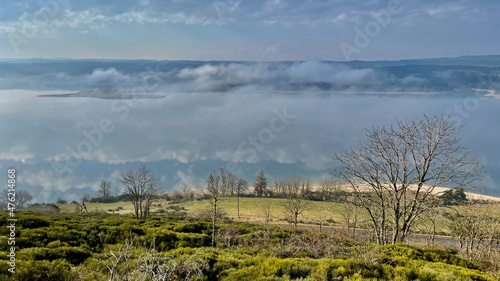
(216, 60)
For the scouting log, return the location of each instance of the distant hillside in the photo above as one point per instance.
(455, 76)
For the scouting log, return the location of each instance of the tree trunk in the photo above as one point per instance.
(355, 222)
(214, 217)
(354, 228)
(85, 207)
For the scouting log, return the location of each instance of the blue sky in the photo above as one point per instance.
(246, 30)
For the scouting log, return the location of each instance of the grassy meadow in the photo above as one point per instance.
(252, 209)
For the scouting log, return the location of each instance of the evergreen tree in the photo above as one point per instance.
(260, 184)
(455, 196)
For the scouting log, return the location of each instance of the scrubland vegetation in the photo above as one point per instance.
(119, 247)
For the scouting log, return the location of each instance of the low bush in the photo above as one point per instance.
(58, 270)
(32, 222)
(57, 247)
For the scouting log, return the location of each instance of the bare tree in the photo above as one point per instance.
(266, 210)
(176, 195)
(476, 229)
(85, 199)
(328, 188)
(278, 187)
(228, 182)
(22, 198)
(152, 265)
(468, 226)
(240, 186)
(492, 233)
(394, 172)
(115, 258)
(322, 217)
(105, 188)
(141, 188)
(295, 203)
(214, 189)
(306, 188)
(428, 224)
(350, 216)
(4, 199)
(152, 193)
(186, 190)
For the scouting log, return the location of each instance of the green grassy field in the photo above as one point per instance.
(97, 207)
(252, 210)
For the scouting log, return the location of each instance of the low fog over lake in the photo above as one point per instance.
(68, 125)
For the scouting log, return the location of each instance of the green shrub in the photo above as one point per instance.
(74, 255)
(164, 239)
(402, 253)
(325, 269)
(33, 237)
(32, 222)
(192, 240)
(260, 253)
(57, 270)
(197, 227)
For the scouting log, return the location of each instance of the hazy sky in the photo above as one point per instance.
(248, 30)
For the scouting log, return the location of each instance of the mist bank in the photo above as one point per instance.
(64, 146)
(66, 124)
(119, 76)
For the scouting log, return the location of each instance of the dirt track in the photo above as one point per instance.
(441, 241)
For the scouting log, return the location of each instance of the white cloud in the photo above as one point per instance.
(187, 178)
(92, 18)
(273, 49)
(147, 154)
(15, 100)
(148, 16)
(412, 80)
(114, 176)
(445, 10)
(18, 153)
(50, 182)
(317, 71)
(95, 18)
(300, 72)
(109, 76)
(340, 18)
